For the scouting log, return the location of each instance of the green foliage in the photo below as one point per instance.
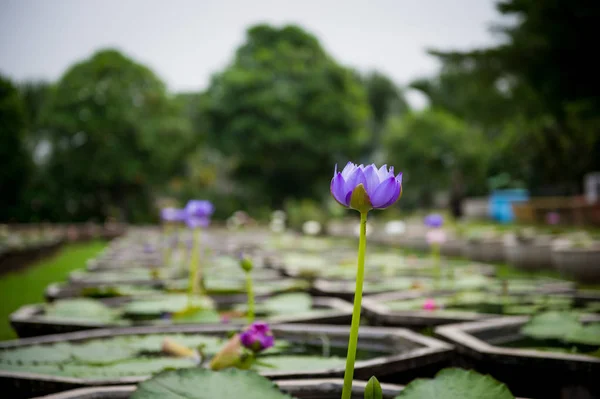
(455, 383)
(16, 162)
(431, 147)
(112, 118)
(37, 277)
(225, 384)
(286, 112)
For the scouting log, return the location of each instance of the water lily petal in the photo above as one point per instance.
(383, 173)
(348, 169)
(384, 192)
(337, 189)
(394, 197)
(357, 177)
(372, 179)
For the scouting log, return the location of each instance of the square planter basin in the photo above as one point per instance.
(391, 354)
(28, 321)
(528, 372)
(406, 309)
(378, 309)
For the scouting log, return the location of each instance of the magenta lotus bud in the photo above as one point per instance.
(429, 304)
(257, 337)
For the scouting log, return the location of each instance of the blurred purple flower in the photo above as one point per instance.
(552, 218)
(434, 220)
(198, 213)
(172, 215)
(257, 337)
(364, 188)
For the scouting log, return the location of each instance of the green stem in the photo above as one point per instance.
(192, 285)
(353, 339)
(167, 251)
(435, 252)
(250, 293)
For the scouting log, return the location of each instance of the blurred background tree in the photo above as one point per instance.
(16, 162)
(286, 112)
(438, 151)
(549, 77)
(114, 134)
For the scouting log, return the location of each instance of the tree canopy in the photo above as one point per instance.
(114, 132)
(286, 111)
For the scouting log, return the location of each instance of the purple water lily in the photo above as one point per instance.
(198, 213)
(257, 337)
(172, 215)
(434, 220)
(365, 187)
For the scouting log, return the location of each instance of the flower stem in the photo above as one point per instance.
(167, 251)
(353, 339)
(250, 293)
(193, 285)
(435, 252)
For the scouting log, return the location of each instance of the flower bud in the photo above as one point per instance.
(373, 389)
(245, 263)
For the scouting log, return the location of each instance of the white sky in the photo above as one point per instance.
(185, 41)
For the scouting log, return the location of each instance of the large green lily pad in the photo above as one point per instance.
(456, 384)
(81, 309)
(207, 384)
(551, 325)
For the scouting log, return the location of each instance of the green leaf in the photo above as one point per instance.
(208, 384)
(81, 309)
(587, 335)
(551, 325)
(455, 383)
(167, 303)
(197, 315)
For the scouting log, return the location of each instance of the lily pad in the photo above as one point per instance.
(168, 303)
(455, 383)
(207, 384)
(586, 335)
(291, 303)
(551, 325)
(81, 309)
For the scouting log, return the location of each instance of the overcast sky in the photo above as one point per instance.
(185, 41)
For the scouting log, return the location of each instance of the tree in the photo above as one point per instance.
(436, 151)
(287, 112)
(16, 162)
(115, 135)
(553, 82)
(385, 100)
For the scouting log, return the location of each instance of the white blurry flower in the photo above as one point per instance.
(232, 223)
(395, 227)
(311, 227)
(436, 236)
(277, 226)
(278, 214)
